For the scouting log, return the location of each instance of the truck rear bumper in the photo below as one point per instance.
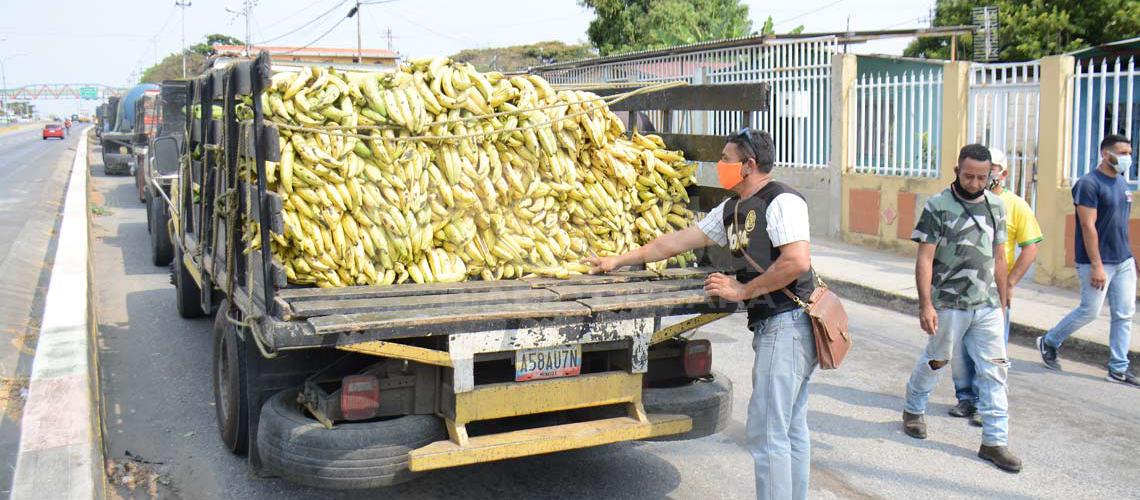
(117, 159)
(442, 454)
(512, 399)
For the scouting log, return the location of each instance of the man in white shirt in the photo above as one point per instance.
(766, 228)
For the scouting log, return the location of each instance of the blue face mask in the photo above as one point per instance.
(1123, 163)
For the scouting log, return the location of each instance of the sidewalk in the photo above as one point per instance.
(886, 279)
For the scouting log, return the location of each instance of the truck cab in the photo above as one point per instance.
(118, 136)
(161, 166)
(148, 116)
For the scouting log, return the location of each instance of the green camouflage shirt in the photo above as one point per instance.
(964, 254)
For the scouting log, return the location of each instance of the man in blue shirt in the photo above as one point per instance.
(1104, 259)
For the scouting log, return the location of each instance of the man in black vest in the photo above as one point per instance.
(766, 228)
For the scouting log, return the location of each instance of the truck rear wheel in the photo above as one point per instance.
(352, 455)
(230, 402)
(707, 401)
(188, 295)
(161, 250)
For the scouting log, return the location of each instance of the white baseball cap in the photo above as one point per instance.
(998, 158)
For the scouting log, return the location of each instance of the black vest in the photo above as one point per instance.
(746, 226)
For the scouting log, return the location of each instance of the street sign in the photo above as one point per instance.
(91, 93)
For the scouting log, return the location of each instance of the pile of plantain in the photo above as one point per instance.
(439, 173)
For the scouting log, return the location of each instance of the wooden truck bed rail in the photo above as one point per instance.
(315, 316)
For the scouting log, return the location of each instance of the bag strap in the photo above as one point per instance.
(795, 298)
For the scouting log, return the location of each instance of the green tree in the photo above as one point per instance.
(630, 25)
(170, 68)
(519, 57)
(207, 48)
(1030, 29)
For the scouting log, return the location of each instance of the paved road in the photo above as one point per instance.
(1077, 433)
(33, 173)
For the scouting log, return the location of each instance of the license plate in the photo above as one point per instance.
(548, 362)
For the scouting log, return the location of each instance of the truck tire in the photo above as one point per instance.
(149, 197)
(161, 249)
(353, 455)
(188, 295)
(230, 403)
(707, 402)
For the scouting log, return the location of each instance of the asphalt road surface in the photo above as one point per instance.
(33, 173)
(1077, 433)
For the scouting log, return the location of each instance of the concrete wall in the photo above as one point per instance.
(1055, 210)
(880, 211)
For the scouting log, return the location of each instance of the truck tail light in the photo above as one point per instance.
(698, 358)
(359, 397)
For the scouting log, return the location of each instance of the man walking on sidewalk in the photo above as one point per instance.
(1022, 231)
(960, 273)
(765, 226)
(1104, 258)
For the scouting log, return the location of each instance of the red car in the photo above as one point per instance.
(53, 130)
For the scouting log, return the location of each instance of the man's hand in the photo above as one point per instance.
(601, 265)
(1008, 297)
(725, 287)
(1098, 278)
(928, 318)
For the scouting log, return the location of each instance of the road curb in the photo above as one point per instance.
(61, 454)
(1020, 333)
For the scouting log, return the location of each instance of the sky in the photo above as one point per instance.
(111, 41)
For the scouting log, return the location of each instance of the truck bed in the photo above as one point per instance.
(310, 317)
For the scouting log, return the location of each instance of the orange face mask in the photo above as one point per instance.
(728, 173)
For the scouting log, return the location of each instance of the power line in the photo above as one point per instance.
(330, 30)
(813, 11)
(303, 26)
(295, 14)
(429, 28)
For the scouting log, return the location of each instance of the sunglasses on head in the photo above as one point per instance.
(745, 134)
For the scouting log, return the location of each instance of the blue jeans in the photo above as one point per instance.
(964, 378)
(1121, 293)
(777, 430)
(976, 334)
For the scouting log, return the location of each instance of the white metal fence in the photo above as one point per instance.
(799, 115)
(1105, 94)
(1004, 108)
(898, 123)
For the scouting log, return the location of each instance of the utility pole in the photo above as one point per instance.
(182, 4)
(248, 9)
(389, 33)
(247, 12)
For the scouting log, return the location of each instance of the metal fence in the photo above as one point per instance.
(898, 123)
(1105, 95)
(799, 115)
(1004, 108)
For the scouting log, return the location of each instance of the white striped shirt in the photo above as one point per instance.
(787, 219)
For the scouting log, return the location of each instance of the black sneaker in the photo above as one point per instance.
(963, 409)
(1126, 378)
(1048, 354)
(976, 420)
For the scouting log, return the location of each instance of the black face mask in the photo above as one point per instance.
(964, 193)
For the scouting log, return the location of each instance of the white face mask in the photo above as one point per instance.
(1123, 163)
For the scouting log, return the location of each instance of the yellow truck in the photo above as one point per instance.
(366, 386)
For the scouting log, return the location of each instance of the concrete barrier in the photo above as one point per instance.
(61, 453)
